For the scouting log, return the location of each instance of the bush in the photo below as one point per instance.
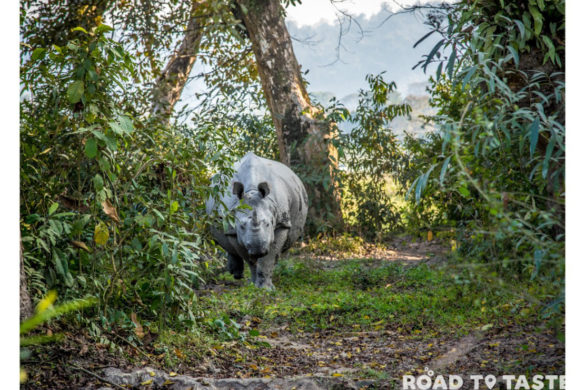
(496, 167)
(112, 203)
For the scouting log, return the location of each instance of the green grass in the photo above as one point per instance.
(367, 295)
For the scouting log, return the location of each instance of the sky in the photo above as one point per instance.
(385, 45)
(315, 12)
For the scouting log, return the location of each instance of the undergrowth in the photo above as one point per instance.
(369, 295)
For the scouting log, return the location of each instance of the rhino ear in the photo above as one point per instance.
(264, 189)
(238, 189)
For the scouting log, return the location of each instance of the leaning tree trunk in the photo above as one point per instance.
(304, 139)
(169, 85)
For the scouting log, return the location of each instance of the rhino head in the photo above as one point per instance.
(255, 225)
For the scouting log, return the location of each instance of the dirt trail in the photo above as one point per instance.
(326, 359)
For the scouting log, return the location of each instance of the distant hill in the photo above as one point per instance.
(418, 99)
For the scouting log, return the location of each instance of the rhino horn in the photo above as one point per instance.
(255, 218)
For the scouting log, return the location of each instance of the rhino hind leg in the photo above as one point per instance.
(235, 266)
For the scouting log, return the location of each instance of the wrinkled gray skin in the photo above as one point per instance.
(278, 202)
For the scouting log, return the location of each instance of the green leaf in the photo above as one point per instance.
(116, 128)
(79, 29)
(75, 91)
(37, 53)
(45, 315)
(122, 126)
(126, 124)
(537, 16)
(439, 70)
(53, 208)
(521, 28)
(414, 183)
(538, 255)
(451, 61)
(58, 267)
(174, 207)
(550, 45)
(422, 183)
(514, 53)
(470, 73)
(103, 28)
(444, 169)
(91, 148)
(534, 130)
(423, 38)
(549, 149)
(432, 54)
(98, 182)
(464, 191)
(110, 142)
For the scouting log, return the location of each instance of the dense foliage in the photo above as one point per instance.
(495, 170)
(112, 204)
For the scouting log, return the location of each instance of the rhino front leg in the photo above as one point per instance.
(252, 271)
(235, 266)
(264, 270)
(266, 264)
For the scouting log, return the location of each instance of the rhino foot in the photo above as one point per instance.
(265, 284)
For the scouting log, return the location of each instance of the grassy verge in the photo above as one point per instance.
(368, 295)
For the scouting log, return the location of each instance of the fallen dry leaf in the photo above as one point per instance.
(81, 245)
(180, 353)
(110, 210)
(138, 330)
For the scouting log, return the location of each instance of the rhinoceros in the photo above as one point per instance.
(274, 220)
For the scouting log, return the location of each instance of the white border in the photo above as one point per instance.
(10, 230)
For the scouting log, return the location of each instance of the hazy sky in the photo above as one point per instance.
(314, 12)
(384, 46)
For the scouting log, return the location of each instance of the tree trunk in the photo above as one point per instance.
(25, 301)
(169, 85)
(304, 138)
